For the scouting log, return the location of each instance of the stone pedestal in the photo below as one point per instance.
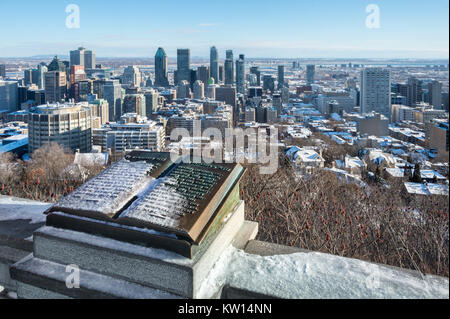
(114, 269)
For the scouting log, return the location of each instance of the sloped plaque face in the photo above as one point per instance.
(147, 191)
(185, 200)
(107, 193)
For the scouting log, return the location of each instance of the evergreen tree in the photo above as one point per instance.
(417, 177)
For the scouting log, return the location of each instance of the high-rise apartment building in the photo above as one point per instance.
(66, 124)
(435, 94)
(414, 92)
(255, 70)
(376, 91)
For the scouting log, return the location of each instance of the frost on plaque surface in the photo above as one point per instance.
(111, 190)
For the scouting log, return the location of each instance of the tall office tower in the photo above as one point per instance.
(229, 68)
(2, 71)
(269, 83)
(240, 74)
(214, 64)
(435, 94)
(184, 90)
(414, 92)
(56, 65)
(134, 103)
(151, 102)
(199, 90)
(55, 86)
(376, 91)
(310, 74)
(203, 74)
(131, 76)
(255, 70)
(89, 60)
(69, 125)
(9, 96)
(77, 57)
(183, 65)
(112, 92)
(221, 73)
(40, 75)
(161, 68)
(28, 77)
(280, 77)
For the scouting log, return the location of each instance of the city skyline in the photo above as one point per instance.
(309, 30)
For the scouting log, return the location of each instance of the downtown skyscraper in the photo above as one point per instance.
(183, 66)
(240, 74)
(214, 64)
(229, 68)
(161, 68)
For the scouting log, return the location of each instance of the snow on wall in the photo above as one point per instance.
(318, 276)
(12, 208)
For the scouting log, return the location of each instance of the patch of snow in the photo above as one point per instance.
(12, 208)
(319, 276)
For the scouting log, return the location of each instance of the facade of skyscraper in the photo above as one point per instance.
(310, 74)
(77, 56)
(132, 76)
(134, 103)
(89, 59)
(240, 74)
(203, 74)
(229, 68)
(9, 96)
(2, 71)
(376, 91)
(255, 70)
(112, 92)
(183, 65)
(214, 64)
(161, 68)
(199, 90)
(55, 86)
(280, 77)
(414, 92)
(435, 94)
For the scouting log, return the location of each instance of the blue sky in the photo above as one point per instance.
(257, 28)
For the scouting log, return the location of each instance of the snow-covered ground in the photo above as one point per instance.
(319, 276)
(12, 208)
